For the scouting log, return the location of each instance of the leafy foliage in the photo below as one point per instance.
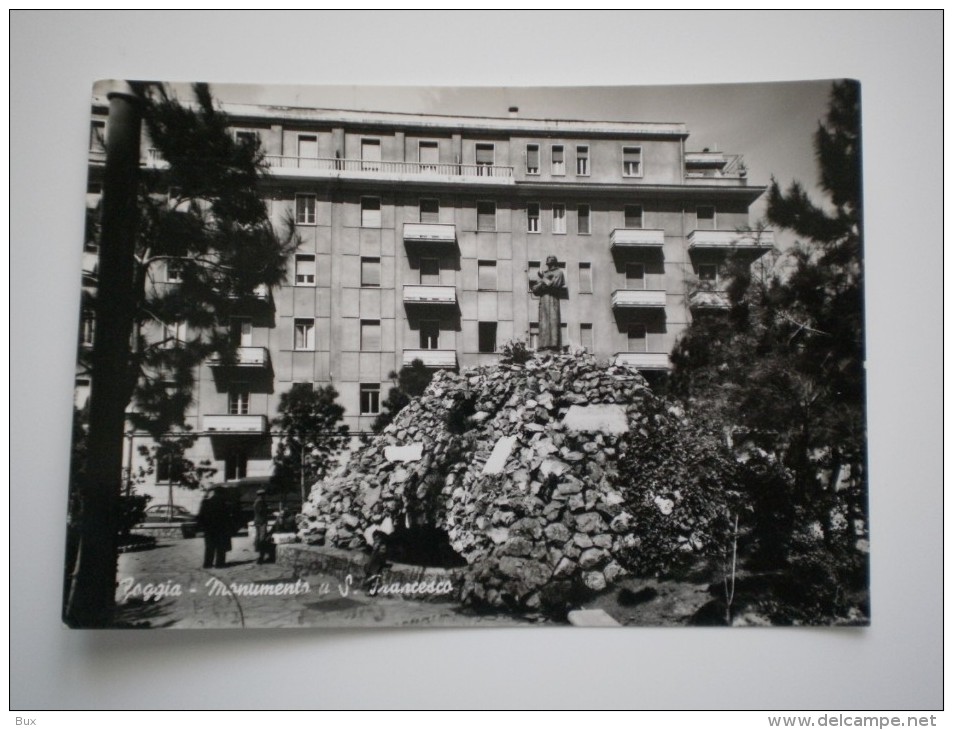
(410, 382)
(783, 372)
(168, 458)
(311, 435)
(685, 489)
(516, 352)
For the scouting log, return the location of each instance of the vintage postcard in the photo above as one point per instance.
(470, 357)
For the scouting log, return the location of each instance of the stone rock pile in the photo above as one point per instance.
(517, 463)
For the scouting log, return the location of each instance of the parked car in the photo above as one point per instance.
(168, 513)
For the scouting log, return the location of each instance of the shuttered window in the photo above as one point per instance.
(370, 212)
(631, 161)
(486, 216)
(532, 159)
(559, 160)
(370, 335)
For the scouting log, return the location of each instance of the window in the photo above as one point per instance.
(87, 329)
(428, 154)
(240, 328)
(429, 335)
(706, 217)
(429, 272)
(582, 159)
(585, 278)
(304, 334)
(583, 224)
(631, 161)
(370, 335)
(534, 335)
(533, 273)
(81, 394)
(236, 464)
(370, 212)
(308, 146)
(636, 337)
(429, 210)
(532, 159)
(633, 216)
(708, 273)
(173, 271)
(238, 400)
(559, 160)
(486, 216)
(484, 159)
(370, 399)
(305, 209)
(585, 336)
(371, 154)
(304, 269)
(634, 276)
(487, 336)
(486, 275)
(97, 136)
(532, 217)
(246, 137)
(163, 467)
(370, 271)
(559, 218)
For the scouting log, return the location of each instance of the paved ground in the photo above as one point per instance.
(166, 587)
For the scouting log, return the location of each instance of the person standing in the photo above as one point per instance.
(262, 539)
(549, 287)
(215, 520)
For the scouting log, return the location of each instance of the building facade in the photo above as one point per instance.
(419, 237)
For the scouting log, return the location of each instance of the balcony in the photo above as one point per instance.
(234, 425)
(245, 357)
(636, 238)
(430, 233)
(638, 299)
(753, 241)
(332, 167)
(707, 300)
(414, 294)
(643, 360)
(432, 358)
(715, 168)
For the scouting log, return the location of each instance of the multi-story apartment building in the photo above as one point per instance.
(420, 234)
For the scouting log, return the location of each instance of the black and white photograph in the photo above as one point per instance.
(448, 357)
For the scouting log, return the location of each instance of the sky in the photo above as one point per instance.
(771, 124)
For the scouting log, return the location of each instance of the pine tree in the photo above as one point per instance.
(197, 212)
(782, 371)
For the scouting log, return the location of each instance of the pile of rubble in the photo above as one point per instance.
(517, 463)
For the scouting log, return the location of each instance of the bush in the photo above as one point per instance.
(516, 352)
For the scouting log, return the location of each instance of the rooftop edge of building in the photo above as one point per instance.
(448, 122)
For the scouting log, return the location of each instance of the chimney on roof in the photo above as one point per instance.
(514, 111)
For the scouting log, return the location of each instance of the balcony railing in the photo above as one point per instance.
(643, 360)
(714, 165)
(430, 232)
(414, 294)
(623, 238)
(432, 358)
(638, 298)
(708, 299)
(387, 167)
(723, 240)
(237, 425)
(245, 357)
